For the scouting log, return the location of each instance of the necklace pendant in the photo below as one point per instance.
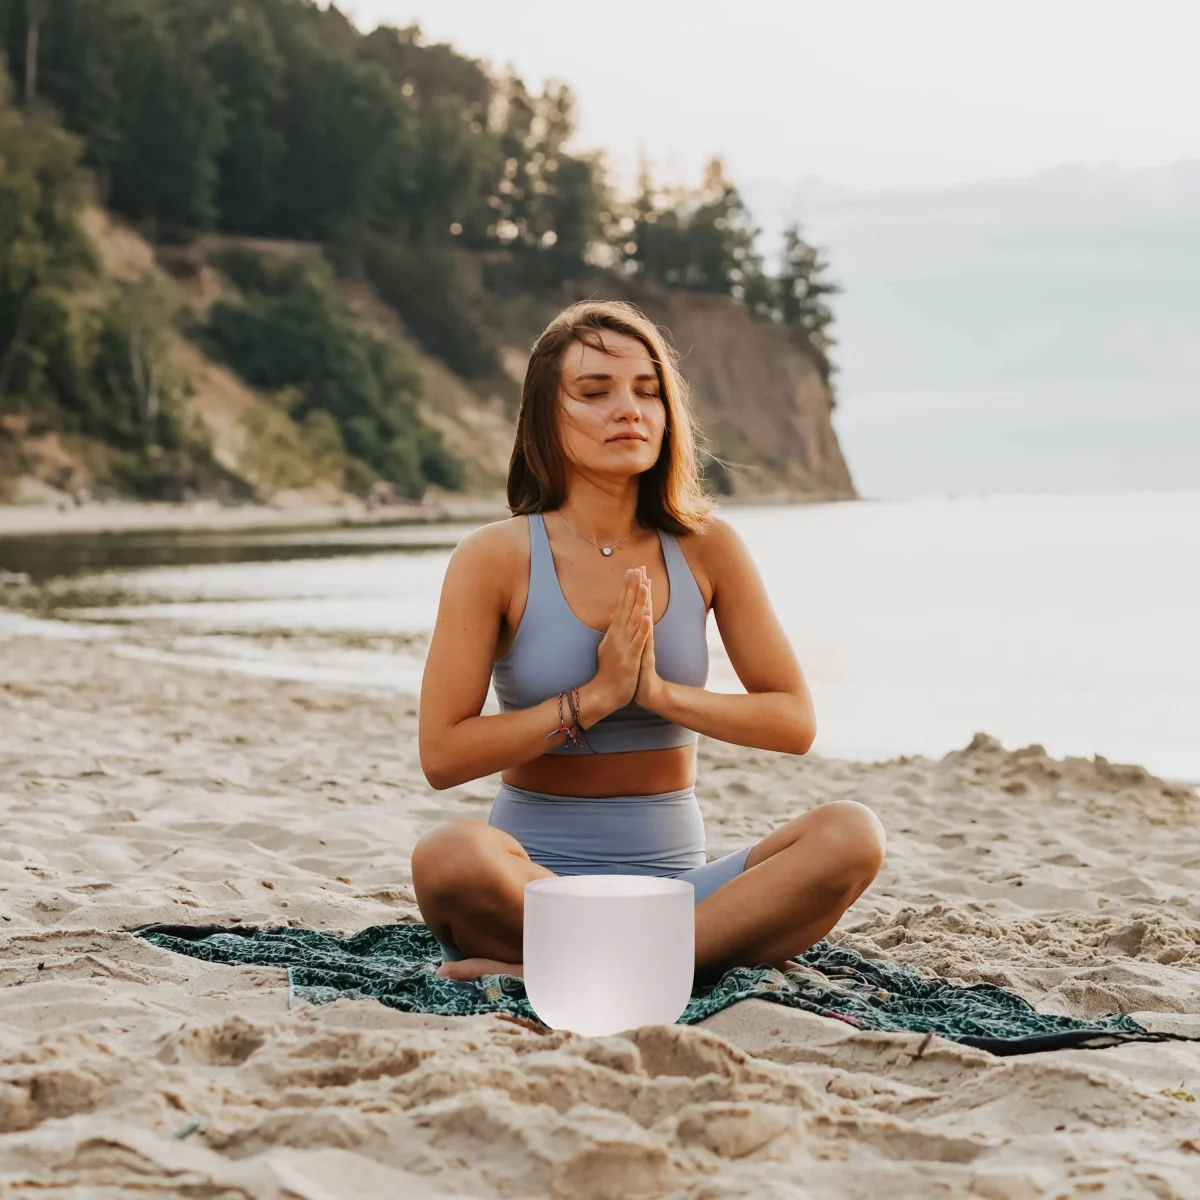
(606, 550)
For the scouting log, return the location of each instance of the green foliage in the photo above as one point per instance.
(133, 394)
(701, 240)
(276, 116)
(427, 286)
(78, 353)
(438, 465)
(166, 177)
(125, 75)
(293, 331)
(283, 454)
(42, 246)
(247, 72)
(801, 290)
(705, 240)
(444, 183)
(346, 133)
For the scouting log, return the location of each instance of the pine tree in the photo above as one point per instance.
(801, 290)
(247, 71)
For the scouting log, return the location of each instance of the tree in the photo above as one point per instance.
(801, 290)
(35, 11)
(452, 150)
(345, 128)
(721, 237)
(293, 332)
(43, 249)
(131, 373)
(702, 240)
(125, 76)
(247, 71)
(175, 128)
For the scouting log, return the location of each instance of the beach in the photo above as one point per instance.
(292, 512)
(137, 791)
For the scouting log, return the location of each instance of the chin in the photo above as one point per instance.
(634, 456)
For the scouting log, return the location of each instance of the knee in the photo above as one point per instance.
(448, 856)
(856, 837)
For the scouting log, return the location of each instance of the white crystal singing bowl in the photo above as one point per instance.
(606, 953)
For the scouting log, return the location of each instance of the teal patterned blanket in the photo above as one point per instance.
(395, 965)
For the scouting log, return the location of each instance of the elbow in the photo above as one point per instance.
(803, 733)
(439, 774)
(799, 742)
(438, 778)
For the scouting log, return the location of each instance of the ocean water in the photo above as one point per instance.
(1065, 620)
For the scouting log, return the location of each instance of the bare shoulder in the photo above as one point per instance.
(489, 558)
(718, 542)
(494, 542)
(714, 553)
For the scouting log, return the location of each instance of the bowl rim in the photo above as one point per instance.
(676, 887)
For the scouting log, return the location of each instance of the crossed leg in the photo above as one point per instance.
(798, 881)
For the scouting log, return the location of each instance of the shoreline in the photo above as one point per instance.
(209, 515)
(102, 518)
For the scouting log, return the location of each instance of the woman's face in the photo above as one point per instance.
(611, 414)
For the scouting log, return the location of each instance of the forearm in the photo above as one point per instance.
(763, 720)
(482, 745)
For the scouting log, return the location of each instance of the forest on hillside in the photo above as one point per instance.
(403, 161)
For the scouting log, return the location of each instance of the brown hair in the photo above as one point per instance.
(670, 495)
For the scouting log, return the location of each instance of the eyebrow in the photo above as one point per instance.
(606, 378)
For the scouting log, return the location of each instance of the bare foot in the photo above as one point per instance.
(473, 968)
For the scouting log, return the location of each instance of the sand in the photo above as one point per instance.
(288, 510)
(133, 791)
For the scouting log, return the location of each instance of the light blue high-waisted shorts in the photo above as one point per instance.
(659, 835)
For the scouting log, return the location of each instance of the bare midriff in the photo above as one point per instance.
(590, 776)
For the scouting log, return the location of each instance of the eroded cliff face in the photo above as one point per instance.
(763, 407)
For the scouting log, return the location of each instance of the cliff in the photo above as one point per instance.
(763, 408)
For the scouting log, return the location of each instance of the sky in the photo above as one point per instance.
(865, 93)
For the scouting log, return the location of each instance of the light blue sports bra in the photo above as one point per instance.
(555, 651)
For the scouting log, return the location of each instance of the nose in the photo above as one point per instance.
(626, 407)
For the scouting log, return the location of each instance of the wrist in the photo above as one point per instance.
(596, 700)
(653, 694)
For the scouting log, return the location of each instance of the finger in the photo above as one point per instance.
(643, 632)
(632, 585)
(624, 601)
(640, 605)
(641, 608)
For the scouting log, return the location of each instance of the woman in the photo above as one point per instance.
(588, 610)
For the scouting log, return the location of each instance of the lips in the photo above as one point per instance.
(628, 437)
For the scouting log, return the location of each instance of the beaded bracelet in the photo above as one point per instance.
(563, 727)
(573, 701)
(573, 730)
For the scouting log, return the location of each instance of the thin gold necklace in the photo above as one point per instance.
(605, 550)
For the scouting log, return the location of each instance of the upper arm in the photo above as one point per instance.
(474, 598)
(758, 647)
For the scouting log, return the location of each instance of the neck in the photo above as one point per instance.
(602, 509)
